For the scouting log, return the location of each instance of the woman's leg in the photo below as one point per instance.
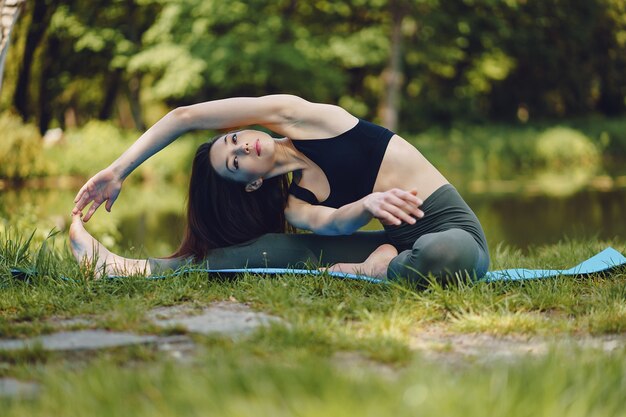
(88, 250)
(273, 250)
(444, 255)
(446, 242)
(279, 250)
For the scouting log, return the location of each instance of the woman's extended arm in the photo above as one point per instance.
(280, 112)
(285, 114)
(106, 184)
(391, 207)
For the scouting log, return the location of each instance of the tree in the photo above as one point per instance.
(409, 63)
(9, 12)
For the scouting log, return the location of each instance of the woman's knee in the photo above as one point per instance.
(443, 255)
(453, 250)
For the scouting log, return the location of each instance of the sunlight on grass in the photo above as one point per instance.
(508, 323)
(340, 347)
(607, 319)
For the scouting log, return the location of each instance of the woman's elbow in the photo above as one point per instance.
(192, 117)
(330, 230)
(182, 115)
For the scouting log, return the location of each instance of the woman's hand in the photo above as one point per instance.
(394, 206)
(104, 186)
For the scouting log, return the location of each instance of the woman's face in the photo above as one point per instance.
(243, 156)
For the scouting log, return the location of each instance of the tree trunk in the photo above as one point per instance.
(45, 107)
(42, 13)
(9, 12)
(111, 85)
(135, 104)
(392, 74)
(134, 83)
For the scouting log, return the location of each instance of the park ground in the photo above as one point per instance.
(311, 345)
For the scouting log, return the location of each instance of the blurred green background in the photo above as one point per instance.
(520, 103)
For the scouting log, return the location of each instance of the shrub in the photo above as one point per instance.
(88, 149)
(97, 144)
(20, 149)
(563, 147)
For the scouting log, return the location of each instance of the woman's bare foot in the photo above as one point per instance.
(88, 250)
(374, 266)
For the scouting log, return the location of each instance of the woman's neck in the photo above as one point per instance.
(288, 158)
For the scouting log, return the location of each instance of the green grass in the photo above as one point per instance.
(232, 381)
(570, 304)
(295, 368)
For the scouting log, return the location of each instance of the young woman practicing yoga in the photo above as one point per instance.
(345, 171)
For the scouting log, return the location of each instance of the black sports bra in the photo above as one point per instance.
(350, 161)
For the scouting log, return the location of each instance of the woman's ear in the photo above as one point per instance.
(254, 185)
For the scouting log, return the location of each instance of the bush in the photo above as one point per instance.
(563, 147)
(20, 149)
(466, 154)
(88, 149)
(97, 144)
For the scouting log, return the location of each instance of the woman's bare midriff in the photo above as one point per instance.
(406, 168)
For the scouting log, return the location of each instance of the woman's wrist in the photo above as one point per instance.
(367, 214)
(366, 206)
(118, 171)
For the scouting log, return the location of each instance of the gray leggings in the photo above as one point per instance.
(448, 240)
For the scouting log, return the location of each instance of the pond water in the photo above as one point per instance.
(147, 220)
(521, 221)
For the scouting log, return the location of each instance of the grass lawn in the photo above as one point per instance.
(341, 348)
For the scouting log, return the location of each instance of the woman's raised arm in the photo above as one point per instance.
(285, 114)
(105, 186)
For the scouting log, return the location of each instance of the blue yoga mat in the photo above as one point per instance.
(606, 260)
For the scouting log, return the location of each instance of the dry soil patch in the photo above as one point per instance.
(439, 344)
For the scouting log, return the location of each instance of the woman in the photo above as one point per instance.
(345, 172)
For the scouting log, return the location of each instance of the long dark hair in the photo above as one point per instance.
(221, 213)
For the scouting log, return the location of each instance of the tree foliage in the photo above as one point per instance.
(459, 59)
